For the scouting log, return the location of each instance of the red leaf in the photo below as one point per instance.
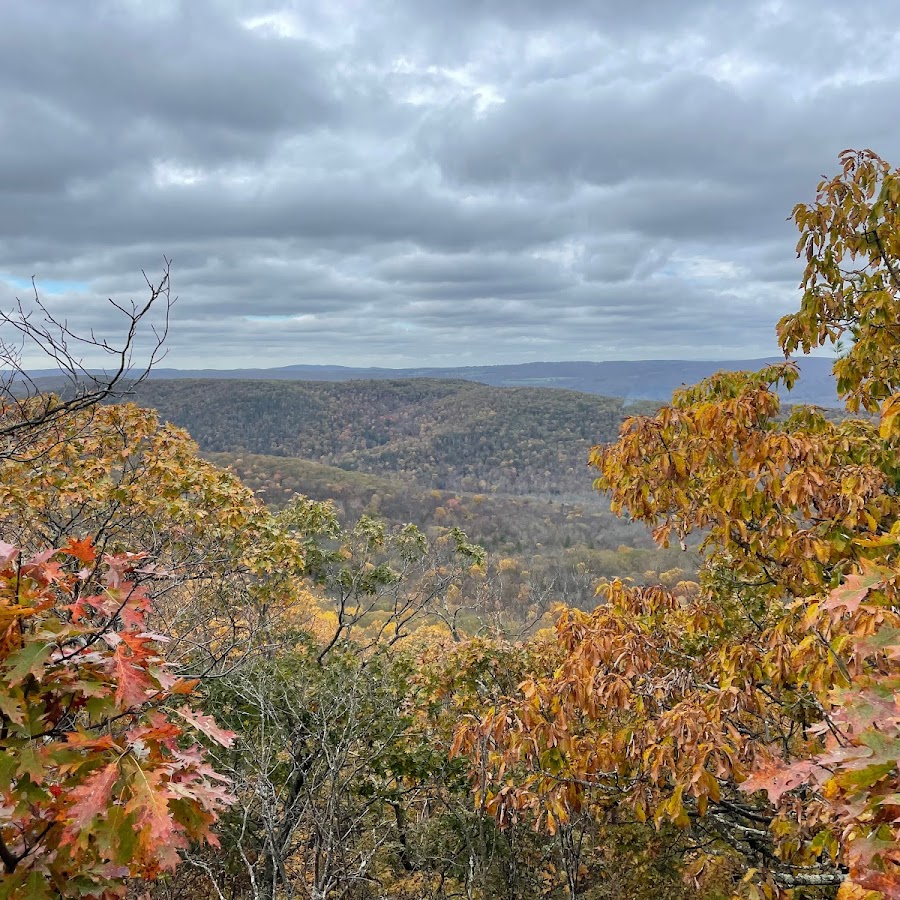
(133, 680)
(40, 558)
(137, 606)
(159, 730)
(207, 724)
(42, 571)
(120, 566)
(7, 554)
(91, 798)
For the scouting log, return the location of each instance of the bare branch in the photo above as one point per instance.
(26, 409)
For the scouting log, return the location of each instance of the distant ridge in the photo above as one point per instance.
(653, 379)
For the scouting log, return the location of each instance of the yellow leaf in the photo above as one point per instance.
(890, 409)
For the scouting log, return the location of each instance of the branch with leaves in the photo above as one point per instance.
(96, 781)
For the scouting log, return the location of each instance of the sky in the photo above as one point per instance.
(415, 182)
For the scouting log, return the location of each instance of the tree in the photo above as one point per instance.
(28, 408)
(331, 758)
(851, 242)
(96, 781)
(779, 672)
(381, 582)
(223, 567)
(131, 571)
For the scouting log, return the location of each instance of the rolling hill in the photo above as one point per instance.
(445, 435)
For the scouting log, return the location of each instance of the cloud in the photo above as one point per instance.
(409, 183)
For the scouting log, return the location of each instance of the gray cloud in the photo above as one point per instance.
(407, 183)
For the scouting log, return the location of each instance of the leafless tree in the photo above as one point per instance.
(27, 408)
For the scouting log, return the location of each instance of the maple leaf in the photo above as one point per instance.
(207, 724)
(83, 550)
(7, 554)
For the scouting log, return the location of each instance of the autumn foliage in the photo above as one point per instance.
(97, 779)
(260, 704)
(103, 772)
(757, 710)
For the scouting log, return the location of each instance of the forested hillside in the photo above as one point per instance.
(447, 435)
(561, 548)
(649, 379)
(503, 523)
(506, 466)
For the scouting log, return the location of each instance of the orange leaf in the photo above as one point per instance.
(890, 409)
(82, 550)
(856, 587)
(184, 686)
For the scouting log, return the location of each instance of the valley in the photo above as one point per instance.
(507, 466)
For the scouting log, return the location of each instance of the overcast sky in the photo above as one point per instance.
(421, 182)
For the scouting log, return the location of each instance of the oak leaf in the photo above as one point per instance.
(207, 724)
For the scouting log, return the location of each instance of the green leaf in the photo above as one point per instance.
(27, 661)
(29, 763)
(12, 706)
(8, 763)
(864, 778)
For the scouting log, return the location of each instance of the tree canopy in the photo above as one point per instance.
(756, 710)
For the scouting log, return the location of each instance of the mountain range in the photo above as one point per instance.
(653, 379)
(630, 380)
